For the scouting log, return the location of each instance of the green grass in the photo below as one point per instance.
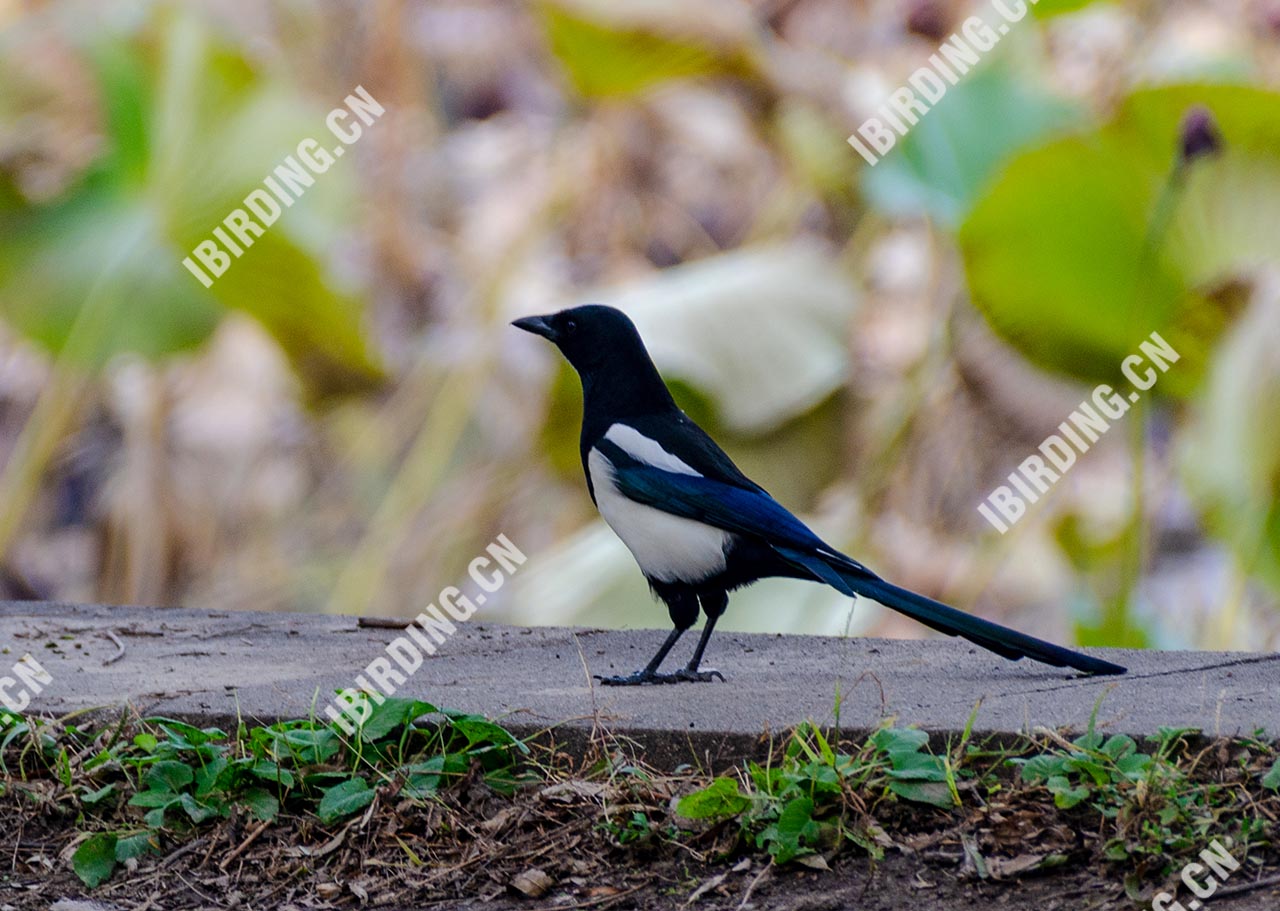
(121, 791)
(1145, 808)
(168, 778)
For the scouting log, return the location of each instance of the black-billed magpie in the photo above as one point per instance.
(699, 527)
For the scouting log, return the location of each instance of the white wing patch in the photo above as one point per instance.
(642, 449)
(668, 548)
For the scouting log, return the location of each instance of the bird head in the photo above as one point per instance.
(586, 335)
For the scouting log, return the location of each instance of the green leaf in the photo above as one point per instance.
(899, 740)
(99, 259)
(160, 798)
(169, 775)
(191, 128)
(95, 797)
(126, 97)
(607, 57)
(185, 735)
(1117, 850)
(917, 767)
(1044, 9)
(1119, 746)
(785, 838)
(1062, 257)
(207, 776)
(934, 793)
(95, 860)
(1272, 778)
(261, 803)
(1065, 796)
(344, 799)
(774, 780)
(130, 846)
(1089, 740)
(1134, 766)
(311, 746)
(822, 778)
(197, 811)
(1039, 768)
(393, 713)
(478, 730)
(269, 771)
(948, 158)
(719, 800)
(1094, 769)
(423, 779)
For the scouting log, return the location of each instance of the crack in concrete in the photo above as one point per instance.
(1085, 682)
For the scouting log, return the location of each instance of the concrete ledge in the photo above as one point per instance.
(264, 667)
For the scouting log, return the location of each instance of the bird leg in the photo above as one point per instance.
(690, 671)
(650, 673)
(683, 605)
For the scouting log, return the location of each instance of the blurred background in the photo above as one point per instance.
(344, 419)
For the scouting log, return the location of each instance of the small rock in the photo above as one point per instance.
(533, 883)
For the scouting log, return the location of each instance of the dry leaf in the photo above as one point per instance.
(533, 883)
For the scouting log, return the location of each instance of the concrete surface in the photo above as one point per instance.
(211, 667)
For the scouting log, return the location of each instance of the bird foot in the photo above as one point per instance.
(641, 678)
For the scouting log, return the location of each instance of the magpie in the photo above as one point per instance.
(697, 526)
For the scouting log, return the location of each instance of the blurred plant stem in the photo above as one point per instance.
(55, 413)
(1117, 627)
(1225, 630)
(70, 381)
(927, 377)
(363, 578)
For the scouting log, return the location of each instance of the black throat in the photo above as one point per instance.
(623, 384)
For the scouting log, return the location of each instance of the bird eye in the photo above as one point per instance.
(570, 327)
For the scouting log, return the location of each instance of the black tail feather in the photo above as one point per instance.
(856, 580)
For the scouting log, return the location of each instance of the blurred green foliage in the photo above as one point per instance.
(1047, 8)
(189, 127)
(1060, 253)
(610, 56)
(1230, 452)
(945, 162)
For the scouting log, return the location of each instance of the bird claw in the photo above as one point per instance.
(640, 678)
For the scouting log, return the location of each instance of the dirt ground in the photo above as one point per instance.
(897, 883)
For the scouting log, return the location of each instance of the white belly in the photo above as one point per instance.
(668, 548)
